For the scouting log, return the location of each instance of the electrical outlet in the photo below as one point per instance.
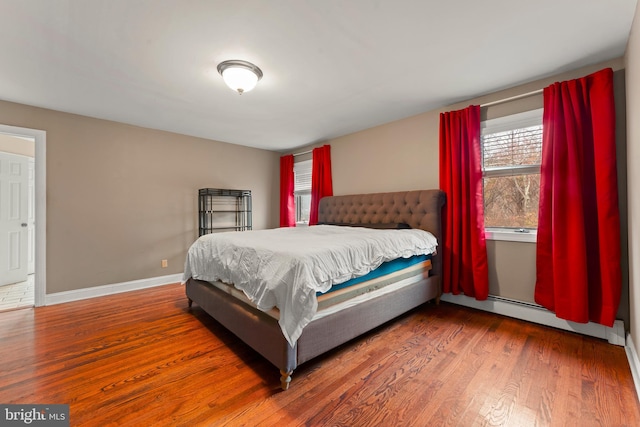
(165, 263)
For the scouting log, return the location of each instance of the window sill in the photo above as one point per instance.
(510, 235)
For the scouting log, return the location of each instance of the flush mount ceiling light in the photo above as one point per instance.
(241, 76)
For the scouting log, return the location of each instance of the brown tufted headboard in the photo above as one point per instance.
(419, 209)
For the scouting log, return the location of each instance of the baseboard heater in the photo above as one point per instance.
(537, 314)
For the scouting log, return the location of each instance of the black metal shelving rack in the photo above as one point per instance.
(223, 210)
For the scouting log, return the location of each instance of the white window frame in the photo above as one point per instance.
(502, 124)
(304, 166)
(511, 235)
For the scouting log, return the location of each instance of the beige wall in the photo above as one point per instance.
(403, 155)
(15, 145)
(121, 198)
(632, 62)
(512, 269)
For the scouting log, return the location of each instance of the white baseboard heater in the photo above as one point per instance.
(537, 314)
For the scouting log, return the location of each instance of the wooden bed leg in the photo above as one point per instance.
(438, 300)
(190, 303)
(285, 379)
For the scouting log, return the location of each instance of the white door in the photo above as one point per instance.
(31, 218)
(14, 180)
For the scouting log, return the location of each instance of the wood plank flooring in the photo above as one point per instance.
(142, 359)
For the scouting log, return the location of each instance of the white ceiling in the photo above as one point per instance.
(331, 67)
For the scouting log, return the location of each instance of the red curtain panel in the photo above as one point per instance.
(287, 200)
(464, 251)
(321, 183)
(578, 249)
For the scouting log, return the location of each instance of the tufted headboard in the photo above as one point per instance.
(419, 209)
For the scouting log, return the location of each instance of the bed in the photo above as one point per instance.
(380, 299)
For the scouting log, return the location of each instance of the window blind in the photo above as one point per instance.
(302, 174)
(515, 147)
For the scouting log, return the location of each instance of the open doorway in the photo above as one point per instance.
(22, 217)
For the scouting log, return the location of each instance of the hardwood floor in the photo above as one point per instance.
(141, 358)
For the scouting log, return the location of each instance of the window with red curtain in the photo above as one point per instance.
(321, 183)
(287, 200)
(464, 251)
(578, 250)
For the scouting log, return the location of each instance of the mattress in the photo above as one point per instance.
(348, 296)
(385, 268)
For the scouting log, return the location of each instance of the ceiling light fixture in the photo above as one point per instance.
(241, 76)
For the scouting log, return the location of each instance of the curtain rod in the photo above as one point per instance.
(512, 98)
(304, 152)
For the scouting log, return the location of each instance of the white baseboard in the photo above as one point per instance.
(538, 314)
(634, 363)
(99, 291)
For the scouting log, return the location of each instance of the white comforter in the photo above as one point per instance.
(284, 267)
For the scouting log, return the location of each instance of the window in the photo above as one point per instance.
(302, 190)
(511, 156)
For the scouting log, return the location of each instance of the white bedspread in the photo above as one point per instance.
(284, 267)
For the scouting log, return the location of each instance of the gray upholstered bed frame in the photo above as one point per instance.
(419, 209)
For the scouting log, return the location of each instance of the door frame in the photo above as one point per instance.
(40, 159)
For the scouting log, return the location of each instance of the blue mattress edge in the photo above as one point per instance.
(384, 269)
